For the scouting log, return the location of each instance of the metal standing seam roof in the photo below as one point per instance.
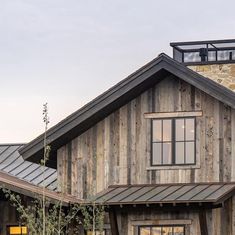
(28, 189)
(12, 163)
(166, 193)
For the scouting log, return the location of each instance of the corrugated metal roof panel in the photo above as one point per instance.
(11, 162)
(124, 194)
(168, 193)
(20, 168)
(146, 196)
(27, 171)
(136, 195)
(8, 152)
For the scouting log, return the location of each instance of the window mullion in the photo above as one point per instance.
(162, 142)
(185, 141)
(173, 141)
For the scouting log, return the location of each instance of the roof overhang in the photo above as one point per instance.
(189, 196)
(117, 96)
(24, 188)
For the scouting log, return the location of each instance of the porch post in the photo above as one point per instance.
(113, 221)
(203, 222)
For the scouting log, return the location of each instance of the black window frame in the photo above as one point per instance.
(173, 142)
(161, 226)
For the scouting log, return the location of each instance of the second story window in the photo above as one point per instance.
(173, 141)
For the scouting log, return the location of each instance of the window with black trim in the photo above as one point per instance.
(173, 141)
(161, 230)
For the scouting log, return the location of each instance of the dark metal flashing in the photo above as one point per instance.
(201, 42)
(120, 94)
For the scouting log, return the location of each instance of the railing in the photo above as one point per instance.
(206, 52)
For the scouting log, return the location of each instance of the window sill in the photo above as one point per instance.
(173, 167)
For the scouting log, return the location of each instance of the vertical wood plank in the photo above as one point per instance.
(100, 167)
(203, 223)
(123, 133)
(74, 167)
(113, 222)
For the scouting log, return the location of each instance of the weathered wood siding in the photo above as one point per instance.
(117, 150)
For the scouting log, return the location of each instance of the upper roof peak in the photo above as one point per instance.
(120, 94)
(204, 52)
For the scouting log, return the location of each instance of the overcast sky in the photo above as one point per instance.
(66, 52)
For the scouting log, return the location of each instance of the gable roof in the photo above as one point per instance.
(12, 163)
(118, 95)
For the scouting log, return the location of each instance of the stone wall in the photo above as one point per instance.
(221, 73)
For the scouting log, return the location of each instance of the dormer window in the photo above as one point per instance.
(173, 141)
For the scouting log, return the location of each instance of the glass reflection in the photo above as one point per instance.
(157, 153)
(161, 230)
(156, 231)
(167, 130)
(167, 231)
(179, 153)
(178, 231)
(157, 130)
(179, 132)
(190, 152)
(166, 153)
(190, 128)
(145, 231)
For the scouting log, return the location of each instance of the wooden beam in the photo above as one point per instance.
(113, 222)
(203, 222)
(173, 114)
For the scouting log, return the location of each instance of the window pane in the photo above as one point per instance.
(178, 231)
(157, 154)
(190, 152)
(166, 153)
(167, 231)
(157, 130)
(167, 130)
(179, 129)
(18, 230)
(96, 233)
(145, 231)
(156, 231)
(179, 152)
(190, 128)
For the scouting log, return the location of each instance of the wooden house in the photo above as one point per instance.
(158, 148)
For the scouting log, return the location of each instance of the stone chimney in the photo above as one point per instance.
(213, 59)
